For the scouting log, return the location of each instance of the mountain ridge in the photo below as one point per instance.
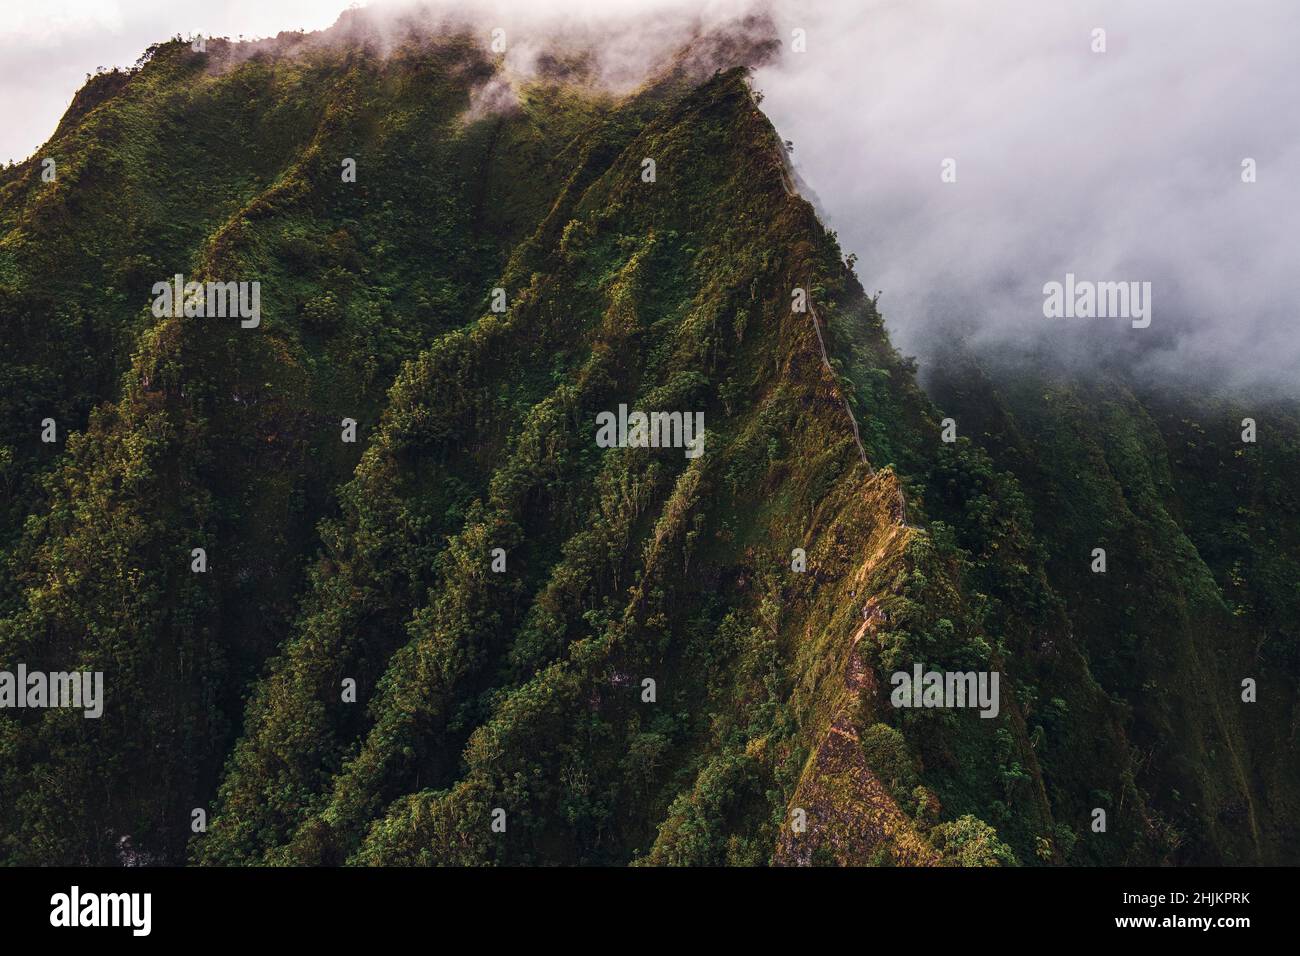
(521, 690)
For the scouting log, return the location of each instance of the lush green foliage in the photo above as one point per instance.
(524, 690)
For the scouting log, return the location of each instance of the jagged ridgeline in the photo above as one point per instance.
(475, 635)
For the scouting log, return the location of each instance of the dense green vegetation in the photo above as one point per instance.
(523, 691)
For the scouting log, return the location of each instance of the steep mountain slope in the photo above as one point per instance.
(223, 437)
(1200, 590)
(357, 678)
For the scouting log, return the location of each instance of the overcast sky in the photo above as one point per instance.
(1123, 165)
(48, 46)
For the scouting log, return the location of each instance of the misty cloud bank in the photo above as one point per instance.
(1121, 166)
(613, 45)
(1116, 166)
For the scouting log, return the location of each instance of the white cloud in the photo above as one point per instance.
(47, 47)
(1122, 165)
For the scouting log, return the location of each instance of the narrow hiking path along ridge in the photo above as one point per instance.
(787, 183)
